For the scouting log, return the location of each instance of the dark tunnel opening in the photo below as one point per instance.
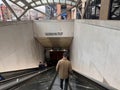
(52, 56)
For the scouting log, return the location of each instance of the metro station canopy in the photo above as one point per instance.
(25, 4)
(32, 4)
(70, 9)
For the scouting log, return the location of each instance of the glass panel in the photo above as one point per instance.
(73, 3)
(13, 0)
(38, 2)
(57, 1)
(44, 1)
(29, 1)
(68, 2)
(50, 1)
(62, 1)
(21, 3)
(26, 7)
(33, 4)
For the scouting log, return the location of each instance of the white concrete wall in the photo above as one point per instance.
(18, 48)
(53, 26)
(96, 50)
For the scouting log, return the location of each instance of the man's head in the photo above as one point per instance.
(65, 54)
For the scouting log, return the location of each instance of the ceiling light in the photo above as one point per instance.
(51, 50)
(64, 50)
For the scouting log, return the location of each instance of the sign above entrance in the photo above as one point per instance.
(54, 33)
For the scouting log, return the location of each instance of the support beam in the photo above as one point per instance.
(30, 7)
(23, 13)
(79, 11)
(59, 11)
(104, 11)
(17, 5)
(73, 13)
(41, 1)
(83, 8)
(86, 6)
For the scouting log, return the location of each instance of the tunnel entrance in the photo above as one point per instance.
(55, 56)
(52, 56)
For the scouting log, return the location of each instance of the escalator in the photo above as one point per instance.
(49, 80)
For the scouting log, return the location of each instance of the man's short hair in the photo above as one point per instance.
(65, 54)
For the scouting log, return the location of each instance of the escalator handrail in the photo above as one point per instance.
(18, 80)
(107, 87)
(17, 77)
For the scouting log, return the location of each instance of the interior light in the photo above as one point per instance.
(64, 50)
(51, 50)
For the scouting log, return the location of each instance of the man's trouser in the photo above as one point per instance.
(66, 83)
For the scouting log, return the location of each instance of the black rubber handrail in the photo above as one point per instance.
(20, 80)
(6, 80)
(95, 82)
(50, 87)
(70, 86)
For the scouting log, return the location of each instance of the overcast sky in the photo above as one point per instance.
(0, 1)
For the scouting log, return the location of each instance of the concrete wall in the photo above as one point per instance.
(53, 26)
(96, 50)
(18, 48)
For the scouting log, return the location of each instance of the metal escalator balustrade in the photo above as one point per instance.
(19, 80)
(38, 82)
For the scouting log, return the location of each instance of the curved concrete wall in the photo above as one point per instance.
(95, 51)
(18, 48)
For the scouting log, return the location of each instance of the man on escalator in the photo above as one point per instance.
(64, 68)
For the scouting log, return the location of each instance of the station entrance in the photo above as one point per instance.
(52, 56)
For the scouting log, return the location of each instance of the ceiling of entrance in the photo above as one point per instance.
(62, 42)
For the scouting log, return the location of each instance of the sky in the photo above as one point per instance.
(0, 1)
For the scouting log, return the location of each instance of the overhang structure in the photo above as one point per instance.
(32, 4)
